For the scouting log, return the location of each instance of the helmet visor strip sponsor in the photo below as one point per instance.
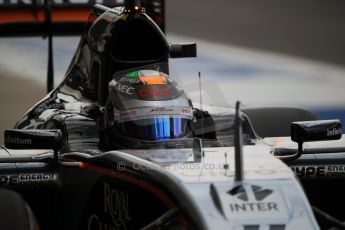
(149, 112)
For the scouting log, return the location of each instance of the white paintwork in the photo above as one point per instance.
(286, 204)
(258, 164)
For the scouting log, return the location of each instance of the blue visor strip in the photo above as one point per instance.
(166, 127)
(177, 126)
(162, 128)
(158, 128)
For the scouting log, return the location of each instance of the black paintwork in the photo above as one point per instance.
(107, 46)
(83, 197)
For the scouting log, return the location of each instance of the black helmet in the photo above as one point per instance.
(146, 105)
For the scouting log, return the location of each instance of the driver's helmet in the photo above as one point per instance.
(146, 105)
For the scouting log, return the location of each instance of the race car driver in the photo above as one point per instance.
(145, 107)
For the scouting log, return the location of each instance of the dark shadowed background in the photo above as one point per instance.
(309, 28)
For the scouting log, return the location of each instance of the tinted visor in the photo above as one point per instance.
(156, 128)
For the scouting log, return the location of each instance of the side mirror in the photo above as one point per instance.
(34, 139)
(322, 130)
(306, 131)
(182, 50)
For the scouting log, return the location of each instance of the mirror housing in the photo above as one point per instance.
(321, 130)
(183, 50)
(34, 139)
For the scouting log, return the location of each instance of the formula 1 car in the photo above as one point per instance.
(119, 145)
